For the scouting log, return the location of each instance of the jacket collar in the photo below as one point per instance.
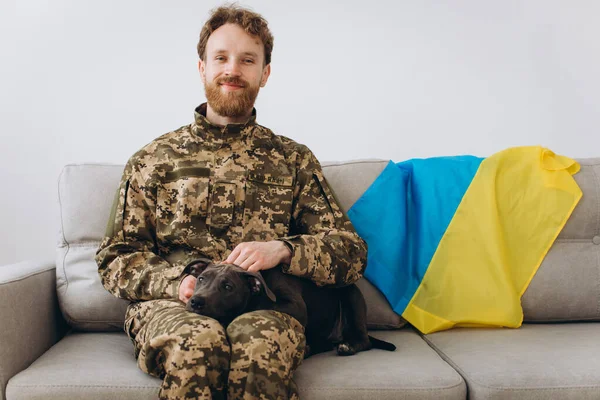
(208, 131)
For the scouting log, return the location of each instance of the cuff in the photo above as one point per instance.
(302, 262)
(171, 291)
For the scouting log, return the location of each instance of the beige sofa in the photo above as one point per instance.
(61, 333)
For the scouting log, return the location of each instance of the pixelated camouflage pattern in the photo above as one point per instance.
(192, 354)
(266, 348)
(189, 352)
(202, 189)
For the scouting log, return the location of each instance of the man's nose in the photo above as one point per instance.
(232, 68)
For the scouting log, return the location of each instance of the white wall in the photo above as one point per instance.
(93, 81)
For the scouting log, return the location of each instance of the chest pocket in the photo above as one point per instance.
(222, 205)
(182, 201)
(269, 200)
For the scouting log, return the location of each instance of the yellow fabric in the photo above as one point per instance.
(513, 210)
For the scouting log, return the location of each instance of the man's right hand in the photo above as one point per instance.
(186, 288)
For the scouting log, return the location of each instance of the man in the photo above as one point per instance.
(228, 189)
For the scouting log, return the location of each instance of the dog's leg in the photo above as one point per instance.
(313, 348)
(354, 334)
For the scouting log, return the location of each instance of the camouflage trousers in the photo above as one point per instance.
(254, 358)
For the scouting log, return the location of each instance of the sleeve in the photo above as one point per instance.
(325, 247)
(127, 259)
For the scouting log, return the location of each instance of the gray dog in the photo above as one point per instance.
(331, 316)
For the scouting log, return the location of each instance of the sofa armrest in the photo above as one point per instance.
(31, 321)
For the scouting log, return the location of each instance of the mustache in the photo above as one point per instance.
(232, 81)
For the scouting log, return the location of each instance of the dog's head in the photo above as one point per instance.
(224, 291)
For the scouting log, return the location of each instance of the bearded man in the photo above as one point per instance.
(227, 189)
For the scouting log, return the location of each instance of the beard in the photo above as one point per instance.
(231, 104)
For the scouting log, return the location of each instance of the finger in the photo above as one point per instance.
(247, 263)
(255, 267)
(244, 256)
(239, 260)
(233, 255)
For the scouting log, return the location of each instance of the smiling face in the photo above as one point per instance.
(233, 70)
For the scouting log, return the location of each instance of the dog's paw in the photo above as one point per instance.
(345, 349)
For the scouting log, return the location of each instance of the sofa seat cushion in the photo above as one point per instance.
(102, 366)
(413, 371)
(545, 361)
(85, 366)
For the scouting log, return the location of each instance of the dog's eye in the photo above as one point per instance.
(200, 278)
(228, 286)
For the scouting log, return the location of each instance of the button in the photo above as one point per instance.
(596, 240)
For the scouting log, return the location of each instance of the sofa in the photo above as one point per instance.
(62, 337)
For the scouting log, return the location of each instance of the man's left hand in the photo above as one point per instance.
(256, 256)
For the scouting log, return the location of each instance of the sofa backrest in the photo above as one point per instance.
(565, 287)
(86, 192)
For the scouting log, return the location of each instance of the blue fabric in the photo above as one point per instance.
(403, 215)
(379, 217)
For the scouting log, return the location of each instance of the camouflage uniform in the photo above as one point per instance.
(198, 192)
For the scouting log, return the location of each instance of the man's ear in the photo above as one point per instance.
(265, 75)
(258, 286)
(196, 267)
(202, 70)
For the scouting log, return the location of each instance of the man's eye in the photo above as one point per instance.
(219, 58)
(248, 61)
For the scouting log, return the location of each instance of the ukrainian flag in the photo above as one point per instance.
(455, 241)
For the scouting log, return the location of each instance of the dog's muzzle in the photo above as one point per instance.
(197, 303)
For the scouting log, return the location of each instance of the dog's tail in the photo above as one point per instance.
(381, 344)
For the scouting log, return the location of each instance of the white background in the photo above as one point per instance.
(93, 81)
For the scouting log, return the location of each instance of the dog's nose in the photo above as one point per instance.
(197, 302)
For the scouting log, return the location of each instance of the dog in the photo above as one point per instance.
(332, 317)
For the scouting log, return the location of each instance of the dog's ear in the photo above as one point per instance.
(258, 285)
(196, 267)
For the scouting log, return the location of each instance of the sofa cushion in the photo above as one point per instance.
(85, 366)
(102, 366)
(86, 192)
(565, 287)
(534, 362)
(349, 180)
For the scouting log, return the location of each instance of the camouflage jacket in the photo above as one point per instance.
(202, 189)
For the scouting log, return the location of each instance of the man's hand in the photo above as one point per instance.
(186, 288)
(256, 256)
